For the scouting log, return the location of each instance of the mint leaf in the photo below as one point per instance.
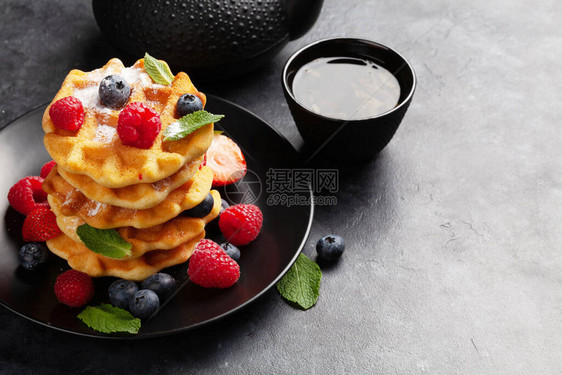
(106, 242)
(158, 70)
(301, 283)
(107, 319)
(188, 124)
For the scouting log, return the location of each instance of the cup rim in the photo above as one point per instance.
(295, 54)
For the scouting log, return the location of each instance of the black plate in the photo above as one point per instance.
(262, 264)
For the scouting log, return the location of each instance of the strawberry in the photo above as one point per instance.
(46, 168)
(74, 288)
(211, 267)
(204, 161)
(27, 195)
(241, 224)
(40, 225)
(226, 160)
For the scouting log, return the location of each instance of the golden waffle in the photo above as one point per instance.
(84, 260)
(71, 202)
(139, 196)
(80, 258)
(165, 236)
(96, 151)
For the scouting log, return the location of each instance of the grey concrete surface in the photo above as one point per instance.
(454, 260)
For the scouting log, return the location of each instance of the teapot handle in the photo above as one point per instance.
(301, 15)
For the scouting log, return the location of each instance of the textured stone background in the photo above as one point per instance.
(453, 263)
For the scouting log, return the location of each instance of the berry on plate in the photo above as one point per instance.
(188, 103)
(241, 224)
(40, 225)
(213, 225)
(74, 288)
(224, 206)
(114, 91)
(67, 113)
(138, 125)
(144, 304)
(226, 160)
(203, 208)
(330, 247)
(160, 283)
(211, 267)
(32, 255)
(46, 168)
(27, 195)
(121, 291)
(231, 250)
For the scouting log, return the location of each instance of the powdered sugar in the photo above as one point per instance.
(72, 222)
(135, 77)
(88, 96)
(68, 199)
(173, 128)
(162, 184)
(131, 75)
(93, 211)
(106, 117)
(139, 78)
(105, 133)
(90, 99)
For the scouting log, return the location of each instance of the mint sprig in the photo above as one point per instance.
(108, 319)
(106, 242)
(188, 124)
(158, 70)
(301, 284)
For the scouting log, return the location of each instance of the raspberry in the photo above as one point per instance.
(27, 195)
(67, 113)
(74, 288)
(211, 267)
(241, 224)
(46, 169)
(40, 225)
(138, 125)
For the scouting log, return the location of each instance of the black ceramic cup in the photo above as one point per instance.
(348, 140)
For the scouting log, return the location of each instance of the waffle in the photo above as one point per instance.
(166, 236)
(139, 196)
(80, 258)
(96, 151)
(71, 202)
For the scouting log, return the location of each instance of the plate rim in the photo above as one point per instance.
(141, 336)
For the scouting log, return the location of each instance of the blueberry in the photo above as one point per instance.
(231, 250)
(189, 103)
(32, 255)
(121, 291)
(224, 205)
(114, 91)
(214, 224)
(330, 247)
(144, 304)
(160, 283)
(203, 208)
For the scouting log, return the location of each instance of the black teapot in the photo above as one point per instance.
(207, 38)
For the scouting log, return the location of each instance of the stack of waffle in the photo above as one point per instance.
(141, 193)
